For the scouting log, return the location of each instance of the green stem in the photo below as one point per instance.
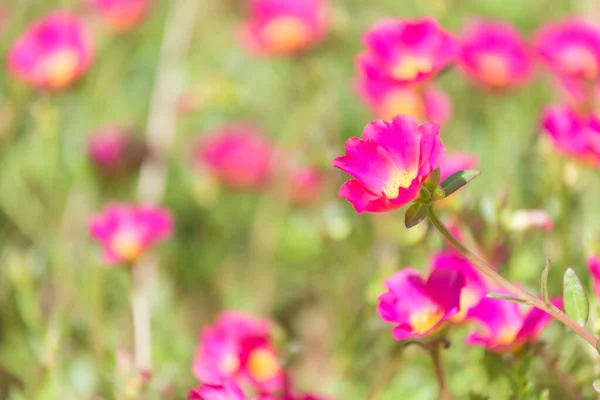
(489, 271)
(439, 371)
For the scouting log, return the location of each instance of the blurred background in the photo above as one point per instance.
(315, 269)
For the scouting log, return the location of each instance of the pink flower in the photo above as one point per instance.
(53, 52)
(285, 26)
(594, 267)
(238, 347)
(238, 155)
(226, 391)
(571, 49)
(406, 51)
(495, 55)
(121, 15)
(475, 287)
(388, 100)
(505, 327)
(113, 150)
(417, 307)
(127, 231)
(305, 185)
(523, 220)
(389, 163)
(575, 135)
(456, 162)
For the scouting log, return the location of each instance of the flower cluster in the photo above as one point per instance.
(239, 350)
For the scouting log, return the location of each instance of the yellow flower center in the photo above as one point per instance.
(286, 34)
(468, 299)
(126, 244)
(407, 102)
(401, 178)
(410, 67)
(60, 69)
(229, 364)
(506, 337)
(423, 321)
(494, 70)
(263, 365)
(577, 59)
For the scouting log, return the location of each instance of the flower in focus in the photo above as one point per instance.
(417, 307)
(406, 51)
(237, 155)
(226, 391)
(571, 49)
(238, 347)
(389, 163)
(127, 231)
(495, 55)
(304, 185)
(53, 52)
(475, 286)
(594, 267)
(113, 150)
(388, 100)
(121, 15)
(523, 220)
(285, 26)
(573, 134)
(505, 328)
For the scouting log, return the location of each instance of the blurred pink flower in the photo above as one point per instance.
(121, 15)
(570, 48)
(285, 26)
(495, 55)
(53, 52)
(389, 163)
(475, 287)
(238, 347)
(522, 220)
(225, 391)
(388, 100)
(456, 162)
(304, 185)
(237, 155)
(575, 135)
(594, 267)
(406, 51)
(127, 231)
(417, 307)
(113, 150)
(505, 327)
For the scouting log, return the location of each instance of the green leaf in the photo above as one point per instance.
(506, 297)
(575, 299)
(415, 214)
(545, 282)
(458, 180)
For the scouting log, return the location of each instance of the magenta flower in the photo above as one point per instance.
(417, 308)
(113, 150)
(388, 100)
(406, 51)
(389, 163)
(505, 328)
(238, 347)
(304, 185)
(52, 53)
(475, 287)
(594, 267)
(121, 15)
(575, 135)
(495, 55)
(237, 155)
(456, 162)
(226, 391)
(127, 231)
(285, 26)
(571, 49)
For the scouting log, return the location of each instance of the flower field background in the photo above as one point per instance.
(215, 144)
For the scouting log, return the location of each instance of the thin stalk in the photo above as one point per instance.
(489, 271)
(434, 351)
(140, 305)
